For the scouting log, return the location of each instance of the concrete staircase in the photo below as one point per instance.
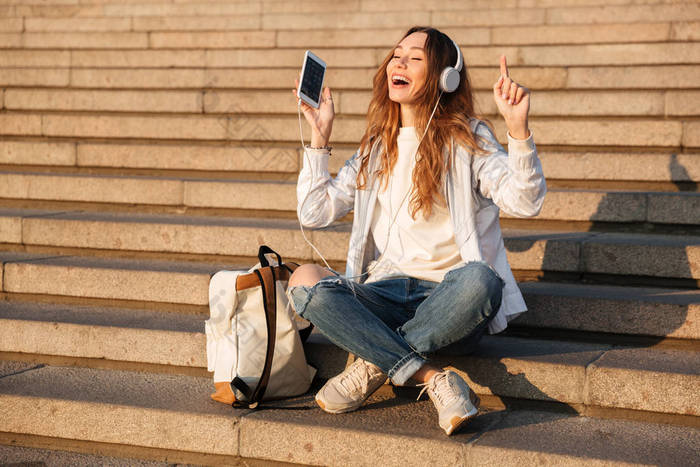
(146, 144)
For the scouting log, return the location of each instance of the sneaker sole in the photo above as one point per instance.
(457, 422)
(345, 409)
(336, 411)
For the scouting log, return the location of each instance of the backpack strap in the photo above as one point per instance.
(266, 276)
(262, 251)
(267, 279)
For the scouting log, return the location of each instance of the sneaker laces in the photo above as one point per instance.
(357, 378)
(439, 389)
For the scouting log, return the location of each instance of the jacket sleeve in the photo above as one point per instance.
(513, 180)
(320, 198)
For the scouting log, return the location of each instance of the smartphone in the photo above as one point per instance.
(313, 71)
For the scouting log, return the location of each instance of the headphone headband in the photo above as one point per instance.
(450, 77)
(458, 65)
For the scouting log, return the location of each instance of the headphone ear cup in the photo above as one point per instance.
(449, 79)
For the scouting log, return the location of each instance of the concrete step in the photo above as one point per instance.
(188, 32)
(655, 31)
(627, 165)
(104, 101)
(54, 455)
(605, 253)
(186, 156)
(663, 256)
(611, 309)
(594, 308)
(553, 103)
(621, 206)
(548, 103)
(78, 40)
(362, 5)
(77, 25)
(347, 129)
(132, 40)
(540, 78)
(175, 412)
(273, 14)
(560, 204)
(667, 53)
(523, 368)
(488, 17)
(115, 334)
(99, 9)
(624, 165)
(184, 284)
(19, 455)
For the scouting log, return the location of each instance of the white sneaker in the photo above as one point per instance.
(453, 398)
(348, 390)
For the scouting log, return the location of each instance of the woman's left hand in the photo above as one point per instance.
(513, 101)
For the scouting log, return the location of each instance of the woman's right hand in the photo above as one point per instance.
(321, 119)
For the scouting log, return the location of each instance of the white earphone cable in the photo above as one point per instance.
(403, 200)
(301, 208)
(393, 220)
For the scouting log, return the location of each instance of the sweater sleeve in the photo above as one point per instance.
(513, 180)
(322, 199)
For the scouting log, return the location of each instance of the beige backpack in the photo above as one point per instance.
(254, 346)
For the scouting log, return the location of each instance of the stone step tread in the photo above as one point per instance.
(627, 165)
(657, 299)
(570, 204)
(160, 281)
(364, 5)
(115, 334)
(185, 33)
(188, 323)
(659, 255)
(548, 103)
(656, 295)
(526, 34)
(611, 309)
(181, 282)
(278, 76)
(27, 456)
(476, 17)
(595, 374)
(502, 366)
(659, 53)
(568, 131)
(110, 317)
(76, 217)
(175, 412)
(146, 40)
(274, 16)
(582, 307)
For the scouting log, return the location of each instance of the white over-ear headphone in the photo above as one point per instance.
(450, 78)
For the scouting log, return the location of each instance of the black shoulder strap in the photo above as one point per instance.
(267, 279)
(262, 251)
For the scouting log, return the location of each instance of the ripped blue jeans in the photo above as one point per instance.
(395, 323)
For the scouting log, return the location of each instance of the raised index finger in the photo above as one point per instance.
(504, 66)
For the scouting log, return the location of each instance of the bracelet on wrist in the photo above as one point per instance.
(322, 148)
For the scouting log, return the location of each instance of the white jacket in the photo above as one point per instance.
(476, 186)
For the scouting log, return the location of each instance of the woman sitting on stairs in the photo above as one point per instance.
(426, 266)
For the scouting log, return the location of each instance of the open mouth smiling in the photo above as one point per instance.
(400, 81)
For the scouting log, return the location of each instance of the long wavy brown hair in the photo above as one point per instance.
(451, 120)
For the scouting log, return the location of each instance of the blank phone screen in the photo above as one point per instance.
(312, 79)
